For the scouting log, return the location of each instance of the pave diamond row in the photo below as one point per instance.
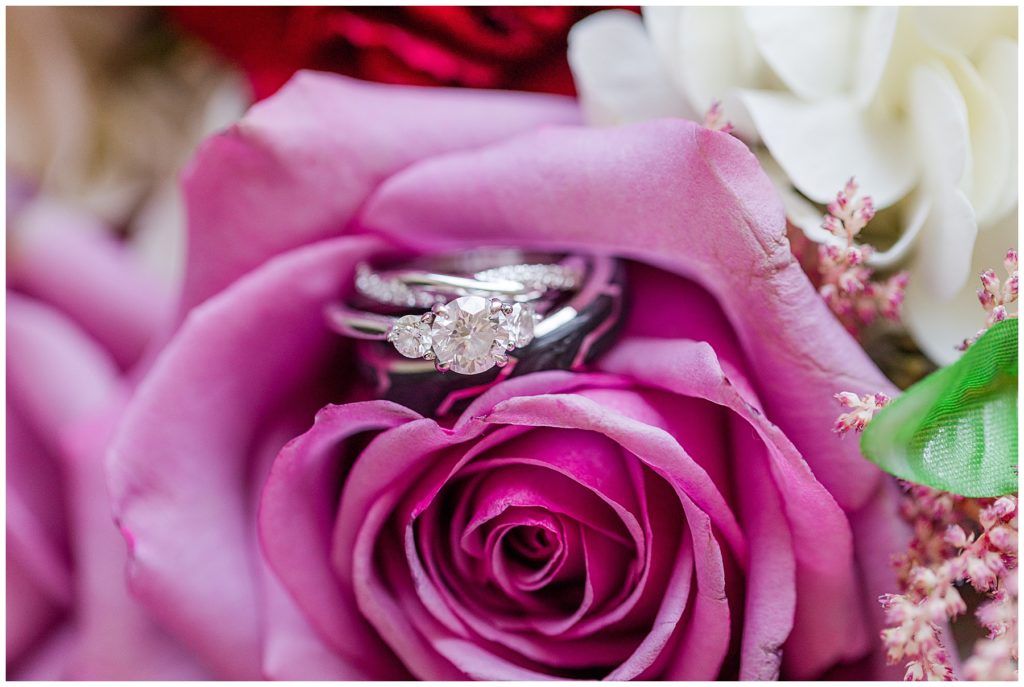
(392, 291)
(537, 277)
(468, 335)
(533, 277)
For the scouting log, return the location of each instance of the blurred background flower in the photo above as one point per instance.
(104, 106)
(919, 104)
(81, 312)
(518, 48)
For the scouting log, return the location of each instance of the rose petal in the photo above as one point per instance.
(824, 561)
(114, 638)
(179, 464)
(48, 661)
(293, 649)
(673, 195)
(54, 362)
(617, 72)
(81, 270)
(770, 599)
(879, 530)
(298, 166)
(31, 610)
(296, 521)
(650, 444)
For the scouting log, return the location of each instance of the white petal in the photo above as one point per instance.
(997, 67)
(914, 212)
(617, 72)
(711, 54)
(939, 122)
(662, 23)
(989, 160)
(801, 213)
(878, 31)
(939, 325)
(821, 145)
(938, 117)
(811, 49)
(964, 29)
(942, 258)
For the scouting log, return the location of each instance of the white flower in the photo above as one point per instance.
(919, 104)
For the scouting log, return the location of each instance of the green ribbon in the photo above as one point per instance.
(956, 429)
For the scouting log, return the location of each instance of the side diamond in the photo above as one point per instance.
(410, 336)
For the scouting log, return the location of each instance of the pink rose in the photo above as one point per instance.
(79, 316)
(681, 511)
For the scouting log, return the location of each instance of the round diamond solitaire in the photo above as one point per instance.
(465, 334)
(410, 336)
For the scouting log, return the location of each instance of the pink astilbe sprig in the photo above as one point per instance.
(995, 295)
(847, 285)
(715, 120)
(956, 541)
(995, 656)
(861, 410)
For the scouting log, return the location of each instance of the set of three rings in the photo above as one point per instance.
(476, 311)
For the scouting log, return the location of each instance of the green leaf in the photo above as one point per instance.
(956, 429)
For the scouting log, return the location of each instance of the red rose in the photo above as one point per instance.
(521, 48)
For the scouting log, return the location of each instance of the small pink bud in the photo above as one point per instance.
(881, 399)
(1011, 288)
(850, 190)
(955, 536)
(849, 282)
(953, 603)
(848, 399)
(989, 280)
(1005, 506)
(980, 573)
(1003, 539)
(986, 298)
(1010, 262)
(832, 225)
(998, 314)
